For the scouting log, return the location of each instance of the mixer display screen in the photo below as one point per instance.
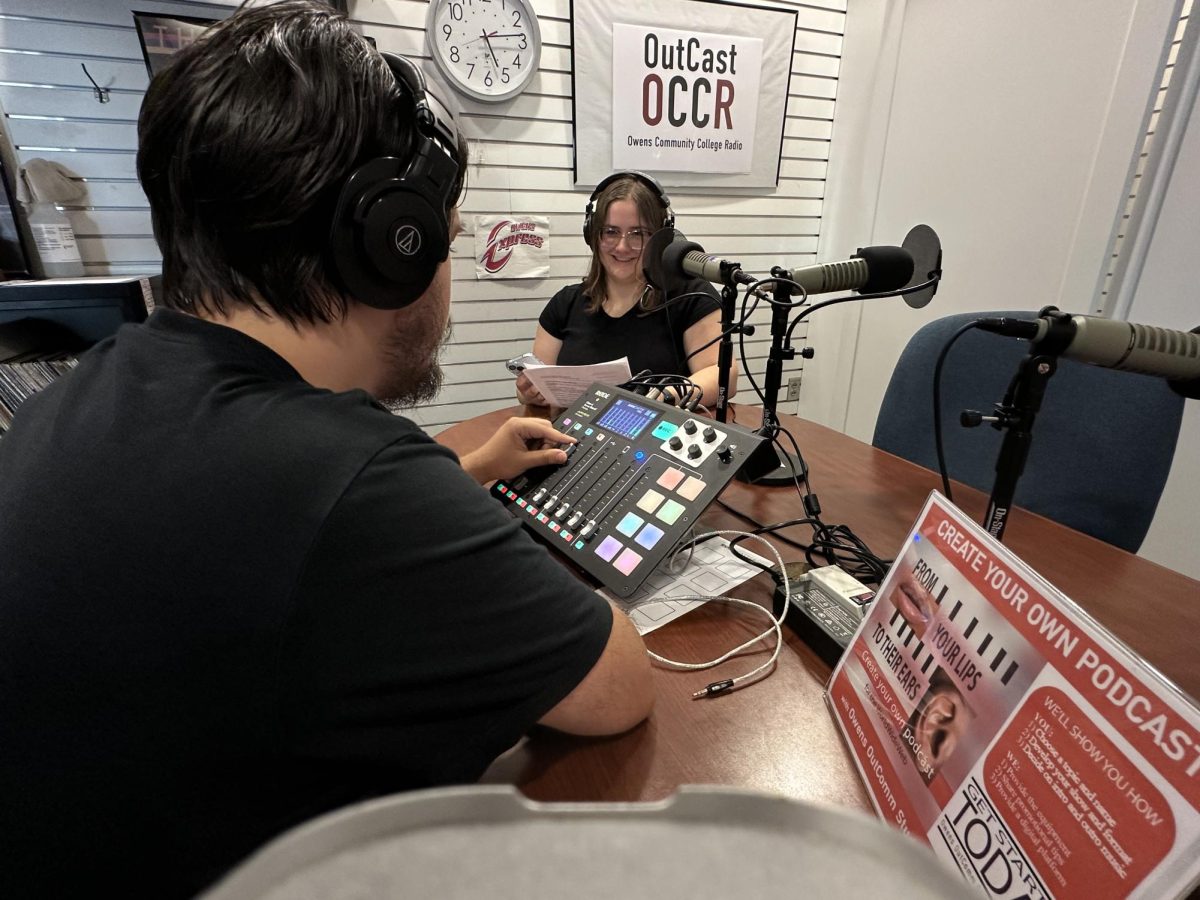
(626, 419)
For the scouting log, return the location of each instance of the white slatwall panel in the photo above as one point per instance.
(1106, 303)
(521, 163)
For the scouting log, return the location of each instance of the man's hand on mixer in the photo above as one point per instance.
(519, 444)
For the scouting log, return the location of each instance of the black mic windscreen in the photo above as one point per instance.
(888, 268)
(926, 249)
(652, 256)
(672, 262)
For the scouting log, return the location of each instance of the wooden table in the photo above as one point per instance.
(778, 734)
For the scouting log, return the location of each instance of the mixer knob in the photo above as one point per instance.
(675, 443)
(694, 451)
(710, 435)
(689, 426)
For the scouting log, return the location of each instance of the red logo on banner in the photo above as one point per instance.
(495, 257)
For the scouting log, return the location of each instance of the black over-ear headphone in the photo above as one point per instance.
(391, 228)
(648, 180)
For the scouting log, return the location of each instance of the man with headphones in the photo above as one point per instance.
(236, 592)
(615, 313)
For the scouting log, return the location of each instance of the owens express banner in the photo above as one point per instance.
(993, 718)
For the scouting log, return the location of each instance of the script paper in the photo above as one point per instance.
(562, 385)
(993, 718)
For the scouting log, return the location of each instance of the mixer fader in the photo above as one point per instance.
(639, 477)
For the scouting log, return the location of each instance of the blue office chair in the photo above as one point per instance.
(1102, 443)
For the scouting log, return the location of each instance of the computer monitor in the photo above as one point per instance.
(162, 36)
(14, 255)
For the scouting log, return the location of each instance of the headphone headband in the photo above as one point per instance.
(648, 180)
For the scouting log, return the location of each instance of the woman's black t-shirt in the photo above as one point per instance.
(652, 340)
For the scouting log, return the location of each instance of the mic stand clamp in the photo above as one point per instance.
(1015, 417)
(729, 279)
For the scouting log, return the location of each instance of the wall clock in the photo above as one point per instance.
(486, 49)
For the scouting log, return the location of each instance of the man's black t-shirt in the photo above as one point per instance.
(651, 340)
(230, 601)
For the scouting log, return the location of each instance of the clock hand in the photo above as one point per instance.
(492, 52)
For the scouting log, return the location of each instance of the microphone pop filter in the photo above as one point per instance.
(922, 242)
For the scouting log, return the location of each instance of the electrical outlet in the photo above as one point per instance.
(793, 388)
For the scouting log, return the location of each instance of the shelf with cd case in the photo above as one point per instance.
(46, 324)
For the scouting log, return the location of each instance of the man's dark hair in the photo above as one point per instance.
(244, 143)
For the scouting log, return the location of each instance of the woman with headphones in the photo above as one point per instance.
(615, 313)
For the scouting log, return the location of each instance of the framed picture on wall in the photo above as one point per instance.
(163, 36)
(694, 92)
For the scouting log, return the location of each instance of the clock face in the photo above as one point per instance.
(488, 49)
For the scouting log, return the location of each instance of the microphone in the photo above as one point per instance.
(689, 258)
(670, 258)
(871, 270)
(1113, 344)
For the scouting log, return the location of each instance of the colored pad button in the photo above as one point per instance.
(664, 430)
(691, 488)
(608, 548)
(650, 501)
(670, 478)
(629, 525)
(650, 536)
(627, 562)
(671, 511)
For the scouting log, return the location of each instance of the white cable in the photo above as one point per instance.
(721, 687)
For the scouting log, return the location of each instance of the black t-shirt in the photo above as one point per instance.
(230, 601)
(652, 340)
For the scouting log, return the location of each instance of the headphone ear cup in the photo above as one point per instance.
(387, 240)
(587, 221)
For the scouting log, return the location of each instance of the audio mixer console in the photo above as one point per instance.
(632, 488)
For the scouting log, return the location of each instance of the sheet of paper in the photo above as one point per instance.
(562, 385)
(713, 571)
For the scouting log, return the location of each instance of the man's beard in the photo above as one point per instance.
(415, 373)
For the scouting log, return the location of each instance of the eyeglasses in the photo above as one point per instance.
(610, 236)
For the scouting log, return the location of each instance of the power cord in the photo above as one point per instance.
(831, 544)
(758, 673)
(677, 390)
(937, 406)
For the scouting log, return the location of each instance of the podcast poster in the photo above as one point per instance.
(991, 717)
(684, 101)
(512, 247)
